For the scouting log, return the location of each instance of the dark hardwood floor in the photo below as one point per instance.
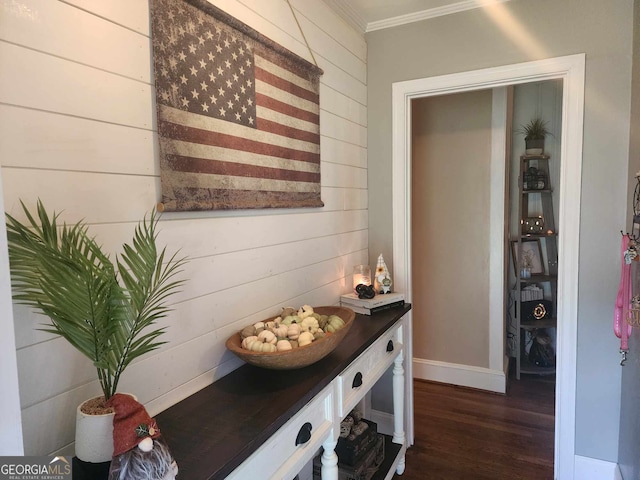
(465, 434)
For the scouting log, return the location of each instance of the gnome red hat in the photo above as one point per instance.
(132, 425)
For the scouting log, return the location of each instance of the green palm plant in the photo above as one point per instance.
(108, 312)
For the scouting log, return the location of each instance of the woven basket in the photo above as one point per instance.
(298, 357)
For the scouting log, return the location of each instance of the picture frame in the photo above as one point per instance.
(532, 251)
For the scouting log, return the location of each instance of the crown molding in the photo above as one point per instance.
(348, 13)
(426, 14)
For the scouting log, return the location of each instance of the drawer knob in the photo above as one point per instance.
(304, 434)
(390, 346)
(357, 380)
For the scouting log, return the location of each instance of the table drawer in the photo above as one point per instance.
(364, 372)
(294, 444)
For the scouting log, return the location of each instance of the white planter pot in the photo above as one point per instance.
(94, 436)
(534, 147)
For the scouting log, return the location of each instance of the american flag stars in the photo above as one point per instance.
(200, 55)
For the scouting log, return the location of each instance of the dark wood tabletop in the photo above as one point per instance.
(214, 430)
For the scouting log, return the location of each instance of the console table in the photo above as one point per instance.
(257, 423)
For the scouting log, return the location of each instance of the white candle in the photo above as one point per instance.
(361, 275)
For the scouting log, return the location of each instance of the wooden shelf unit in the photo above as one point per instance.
(547, 237)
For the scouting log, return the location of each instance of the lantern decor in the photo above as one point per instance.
(361, 276)
(534, 179)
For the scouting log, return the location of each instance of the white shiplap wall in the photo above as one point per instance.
(77, 129)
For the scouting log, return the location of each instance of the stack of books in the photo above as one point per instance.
(368, 306)
(530, 293)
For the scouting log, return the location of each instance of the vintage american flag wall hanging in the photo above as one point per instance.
(238, 114)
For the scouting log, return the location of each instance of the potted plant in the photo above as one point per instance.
(534, 134)
(107, 310)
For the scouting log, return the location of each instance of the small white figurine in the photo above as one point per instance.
(382, 281)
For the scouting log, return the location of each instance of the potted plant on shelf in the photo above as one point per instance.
(534, 134)
(106, 310)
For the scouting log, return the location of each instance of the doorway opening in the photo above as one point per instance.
(532, 229)
(570, 71)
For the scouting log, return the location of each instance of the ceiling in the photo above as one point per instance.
(370, 15)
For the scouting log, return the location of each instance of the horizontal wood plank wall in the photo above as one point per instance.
(77, 129)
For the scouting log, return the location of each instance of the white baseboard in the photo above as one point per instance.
(463, 375)
(384, 421)
(617, 475)
(587, 468)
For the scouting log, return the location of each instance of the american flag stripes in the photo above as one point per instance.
(238, 115)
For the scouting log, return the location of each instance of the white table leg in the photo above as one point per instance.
(398, 407)
(329, 470)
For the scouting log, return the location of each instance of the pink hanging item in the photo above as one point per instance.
(621, 326)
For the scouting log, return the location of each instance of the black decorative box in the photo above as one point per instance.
(365, 469)
(350, 450)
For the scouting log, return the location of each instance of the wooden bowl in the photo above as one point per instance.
(298, 357)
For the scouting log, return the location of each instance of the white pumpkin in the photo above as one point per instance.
(305, 338)
(267, 337)
(293, 331)
(305, 311)
(280, 330)
(260, 346)
(246, 343)
(283, 345)
(309, 324)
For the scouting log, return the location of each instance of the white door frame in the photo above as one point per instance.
(11, 432)
(571, 69)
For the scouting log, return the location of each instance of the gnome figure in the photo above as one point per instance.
(382, 281)
(138, 451)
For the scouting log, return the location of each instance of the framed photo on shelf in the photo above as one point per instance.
(531, 256)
